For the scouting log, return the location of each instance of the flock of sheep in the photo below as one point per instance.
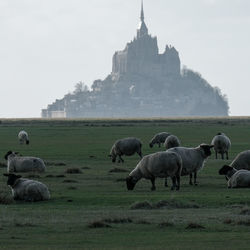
(175, 162)
(179, 161)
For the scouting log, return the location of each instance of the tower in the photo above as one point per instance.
(142, 29)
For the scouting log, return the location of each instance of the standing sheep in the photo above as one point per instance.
(172, 141)
(27, 190)
(158, 139)
(159, 164)
(236, 178)
(127, 146)
(193, 159)
(23, 137)
(221, 145)
(23, 163)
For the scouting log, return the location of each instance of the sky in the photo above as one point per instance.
(47, 46)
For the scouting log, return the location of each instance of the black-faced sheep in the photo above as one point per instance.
(27, 190)
(221, 145)
(158, 139)
(160, 164)
(192, 159)
(23, 163)
(172, 141)
(127, 146)
(23, 137)
(236, 178)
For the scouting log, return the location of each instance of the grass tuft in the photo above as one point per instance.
(193, 225)
(166, 224)
(245, 211)
(69, 181)
(49, 163)
(98, 224)
(73, 171)
(118, 220)
(141, 205)
(243, 222)
(174, 204)
(228, 221)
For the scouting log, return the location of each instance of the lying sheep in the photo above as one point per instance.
(23, 163)
(242, 161)
(236, 178)
(27, 190)
(127, 146)
(159, 164)
(221, 145)
(158, 139)
(193, 159)
(172, 141)
(23, 137)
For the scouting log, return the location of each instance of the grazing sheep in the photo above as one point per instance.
(158, 139)
(242, 161)
(159, 164)
(23, 163)
(193, 159)
(23, 137)
(172, 141)
(27, 190)
(127, 146)
(236, 178)
(221, 145)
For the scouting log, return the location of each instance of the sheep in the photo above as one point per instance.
(242, 161)
(126, 146)
(23, 163)
(236, 178)
(221, 145)
(159, 164)
(158, 139)
(171, 142)
(23, 137)
(193, 159)
(27, 190)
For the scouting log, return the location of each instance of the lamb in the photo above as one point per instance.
(23, 137)
(236, 178)
(27, 190)
(23, 163)
(193, 159)
(127, 146)
(221, 145)
(171, 142)
(159, 164)
(158, 139)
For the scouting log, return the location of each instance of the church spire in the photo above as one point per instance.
(142, 29)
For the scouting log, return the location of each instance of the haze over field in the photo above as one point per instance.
(49, 46)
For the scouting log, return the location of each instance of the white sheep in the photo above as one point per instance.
(23, 163)
(242, 161)
(127, 146)
(23, 137)
(27, 190)
(193, 159)
(221, 145)
(159, 164)
(172, 141)
(236, 178)
(158, 139)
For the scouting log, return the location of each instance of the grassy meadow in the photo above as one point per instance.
(92, 209)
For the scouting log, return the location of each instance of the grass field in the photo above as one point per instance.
(92, 209)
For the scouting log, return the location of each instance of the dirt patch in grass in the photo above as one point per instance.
(55, 176)
(193, 225)
(5, 199)
(98, 224)
(118, 170)
(243, 222)
(73, 171)
(228, 221)
(166, 224)
(174, 204)
(69, 181)
(144, 222)
(141, 205)
(118, 220)
(27, 224)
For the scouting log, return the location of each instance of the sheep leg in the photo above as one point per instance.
(120, 159)
(166, 182)
(195, 177)
(153, 183)
(190, 179)
(140, 154)
(173, 183)
(222, 156)
(178, 182)
(227, 154)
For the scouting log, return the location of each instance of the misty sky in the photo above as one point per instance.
(47, 46)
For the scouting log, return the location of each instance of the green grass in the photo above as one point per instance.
(94, 195)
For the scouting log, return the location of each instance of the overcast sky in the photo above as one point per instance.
(47, 46)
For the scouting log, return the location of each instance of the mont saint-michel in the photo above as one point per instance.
(143, 83)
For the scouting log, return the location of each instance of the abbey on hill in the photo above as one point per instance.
(143, 83)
